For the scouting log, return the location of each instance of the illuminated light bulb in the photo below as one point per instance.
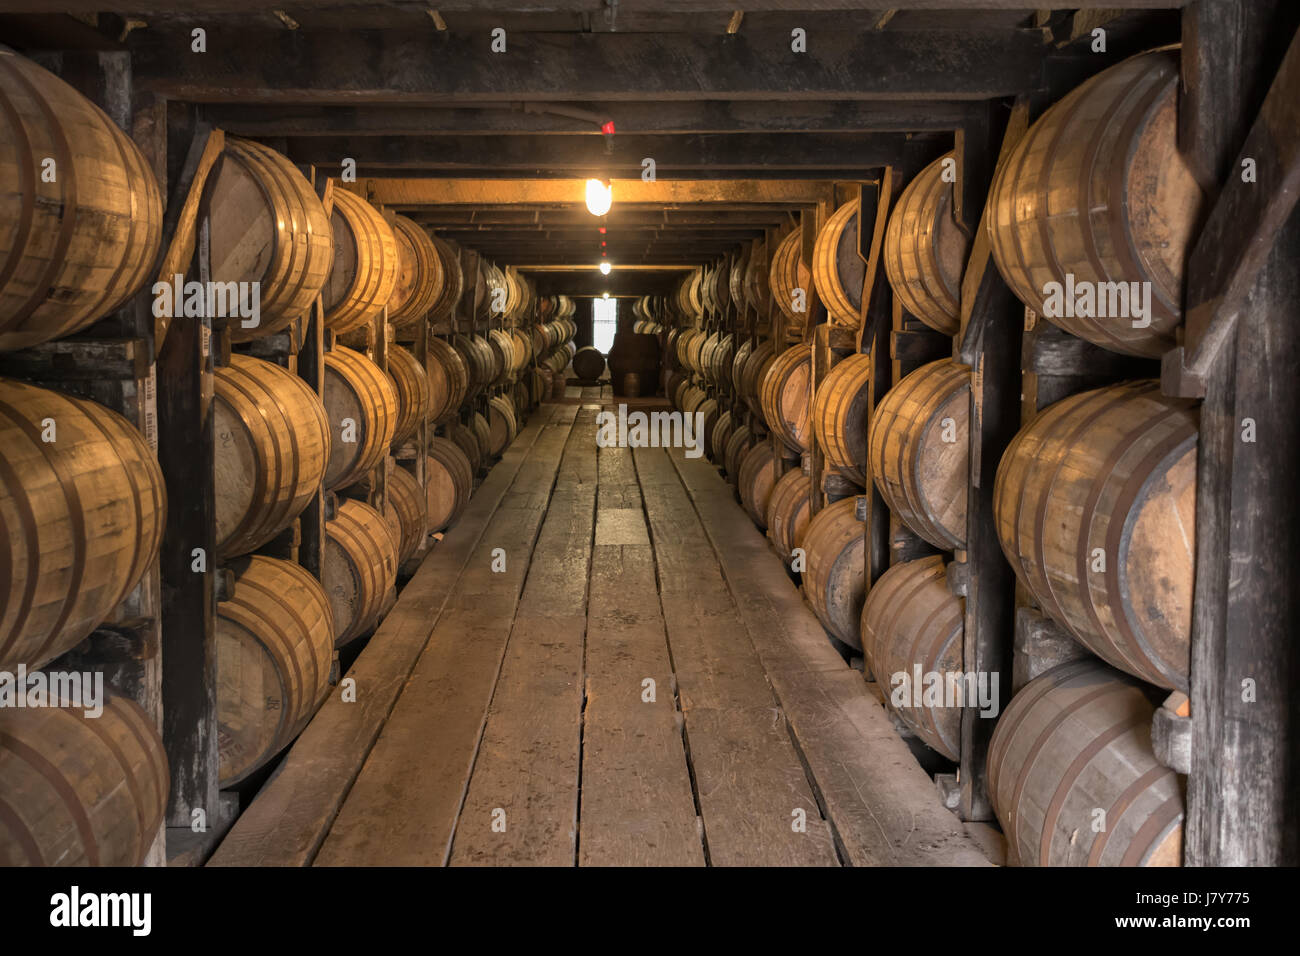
(604, 268)
(600, 196)
(604, 295)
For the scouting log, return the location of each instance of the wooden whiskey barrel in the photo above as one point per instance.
(723, 356)
(718, 439)
(753, 372)
(706, 420)
(453, 284)
(925, 251)
(833, 580)
(755, 283)
(275, 648)
(74, 249)
(477, 359)
(743, 351)
(1096, 510)
(501, 420)
(736, 279)
(465, 438)
(78, 790)
(269, 227)
(783, 396)
(839, 414)
(913, 625)
(84, 515)
(789, 508)
(404, 510)
(737, 445)
(1124, 205)
(838, 271)
(918, 449)
(448, 483)
(361, 404)
(1074, 741)
(272, 443)
(757, 476)
(360, 568)
(414, 400)
(363, 272)
(483, 432)
(589, 363)
(787, 274)
(419, 274)
(448, 379)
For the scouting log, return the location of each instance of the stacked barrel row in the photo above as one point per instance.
(85, 499)
(1094, 499)
(81, 494)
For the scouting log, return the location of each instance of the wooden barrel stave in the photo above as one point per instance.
(925, 250)
(363, 272)
(1098, 190)
(360, 568)
(411, 385)
(419, 274)
(923, 477)
(838, 270)
(85, 515)
(79, 790)
(789, 509)
(757, 476)
(449, 482)
(1110, 471)
(269, 227)
(783, 396)
(275, 650)
(1076, 740)
(911, 622)
(74, 249)
(356, 390)
(833, 581)
(839, 414)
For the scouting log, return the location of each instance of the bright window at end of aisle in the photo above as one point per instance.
(604, 320)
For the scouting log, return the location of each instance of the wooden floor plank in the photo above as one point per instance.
(637, 805)
(525, 778)
(755, 800)
(883, 806)
(402, 808)
(289, 818)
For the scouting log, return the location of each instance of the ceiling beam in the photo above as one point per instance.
(594, 7)
(394, 66)
(401, 193)
(767, 153)
(669, 117)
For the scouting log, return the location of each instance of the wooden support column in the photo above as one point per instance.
(989, 342)
(1243, 806)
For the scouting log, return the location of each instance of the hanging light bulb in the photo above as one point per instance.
(604, 268)
(600, 196)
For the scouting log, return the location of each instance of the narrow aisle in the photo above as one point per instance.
(638, 806)
(755, 799)
(522, 804)
(403, 807)
(291, 816)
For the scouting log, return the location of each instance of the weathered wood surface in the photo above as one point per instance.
(527, 763)
(402, 808)
(1241, 801)
(638, 808)
(881, 806)
(288, 820)
(749, 778)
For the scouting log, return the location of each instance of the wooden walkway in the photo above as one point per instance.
(602, 664)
